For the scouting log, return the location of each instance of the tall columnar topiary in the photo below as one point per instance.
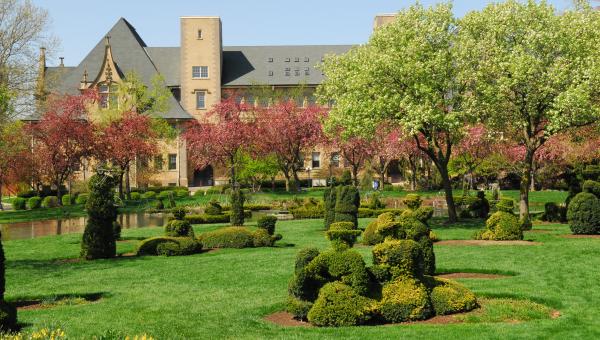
(329, 199)
(99, 238)
(346, 204)
(237, 207)
(8, 313)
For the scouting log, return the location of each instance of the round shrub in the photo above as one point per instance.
(346, 266)
(501, 226)
(19, 203)
(229, 237)
(268, 223)
(449, 297)
(68, 199)
(135, 196)
(339, 305)
(81, 199)
(149, 195)
(304, 257)
(405, 299)
(179, 228)
(583, 214)
(165, 195)
(50, 202)
(186, 246)
(35, 202)
(370, 236)
(404, 257)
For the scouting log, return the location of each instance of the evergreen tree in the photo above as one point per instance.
(237, 207)
(99, 238)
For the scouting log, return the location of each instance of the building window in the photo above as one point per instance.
(297, 59)
(287, 60)
(270, 60)
(288, 71)
(199, 72)
(307, 71)
(335, 159)
(306, 59)
(316, 160)
(270, 73)
(158, 162)
(199, 34)
(172, 161)
(108, 96)
(297, 71)
(200, 100)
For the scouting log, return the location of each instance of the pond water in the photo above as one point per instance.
(33, 229)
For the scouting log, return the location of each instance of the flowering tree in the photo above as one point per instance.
(533, 73)
(14, 152)
(287, 131)
(356, 151)
(471, 151)
(124, 140)
(221, 137)
(386, 148)
(63, 137)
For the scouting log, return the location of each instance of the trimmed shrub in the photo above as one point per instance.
(159, 205)
(207, 219)
(179, 213)
(448, 297)
(135, 196)
(342, 234)
(117, 230)
(182, 193)
(553, 213)
(422, 214)
(237, 207)
(298, 308)
(68, 200)
(267, 223)
(164, 195)
(179, 228)
(329, 199)
(305, 213)
(99, 237)
(583, 214)
(501, 226)
(304, 257)
(81, 199)
(263, 239)
(50, 202)
(339, 305)
(375, 203)
(405, 299)
(35, 202)
(370, 236)
(199, 193)
(213, 208)
(480, 208)
(412, 201)
(403, 257)
(506, 205)
(346, 204)
(149, 195)
(229, 237)
(19, 203)
(345, 265)
(180, 246)
(592, 187)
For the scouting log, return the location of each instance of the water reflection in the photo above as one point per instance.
(33, 229)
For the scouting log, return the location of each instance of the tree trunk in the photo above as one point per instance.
(121, 195)
(413, 174)
(1, 205)
(286, 174)
(355, 175)
(58, 193)
(532, 179)
(525, 185)
(296, 180)
(448, 191)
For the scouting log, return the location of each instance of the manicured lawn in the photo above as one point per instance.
(226, 294)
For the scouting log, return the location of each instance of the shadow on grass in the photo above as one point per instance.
(471, 223)
(475, 270)
(59, 264)
(56, 299)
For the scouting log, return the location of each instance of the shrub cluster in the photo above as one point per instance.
(501, 226)
(267, 223)
(554, 213)
(19, 203)
(168, 246)
(237, 237)
(81, 199)
(213, 208)
(68, 199)
(50, 202)
(35, 202)
(474, 207)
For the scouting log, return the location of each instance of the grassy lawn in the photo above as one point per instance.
(226, 294)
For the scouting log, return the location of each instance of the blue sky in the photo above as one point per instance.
(79, 25)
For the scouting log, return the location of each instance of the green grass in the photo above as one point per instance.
(226, 294)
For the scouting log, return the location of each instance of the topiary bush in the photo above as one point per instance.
(329, 199)
(346, 204)
(501, 226)
(19, 203)
(34, 202)
(412, 201)
(81, 199)
(554, 213)
(583, 214)
(213, 208)
(506, 205)
(339, 305)
(182, 193)
(304, 257)
(448, 297)
(177, 246)
(237, 207)
(406, 299)
(237, 237)
(592, 187)
(68, 199)
(159, 205)
(267, 223)
(50, 202)
(370, 236)
(179, 228)
(342, 234)
(149, 195)
(207, 219)
(403, 257)
(98, 237)
(135, 196)
(480, 208)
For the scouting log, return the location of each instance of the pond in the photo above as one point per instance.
(33, 229)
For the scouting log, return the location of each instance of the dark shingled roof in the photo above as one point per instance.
(129, 54)
(166, 59)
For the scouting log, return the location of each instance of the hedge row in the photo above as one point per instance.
(306, 213)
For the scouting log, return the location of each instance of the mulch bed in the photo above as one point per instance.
(486, 243)
(580, 236)
(472, 276)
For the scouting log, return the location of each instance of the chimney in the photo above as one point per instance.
(41, 79)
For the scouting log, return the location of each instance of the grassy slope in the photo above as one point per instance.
(225, 294)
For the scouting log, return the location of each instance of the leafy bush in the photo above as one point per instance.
(81, 199)
(403, 257)
(501, 226)
(68, 200)
(343, 233)
(298, 308)
(375, 203)
(345, 265)
(263, 239)
(304, 257)
(412, 201)
(449, 297)
(182, 193)
(346, 204)
(480, 208)
(179, 213)
(405, 299)
(184, 246)
(339, 305)
(554, 213)
(268, 223)
(304, 213)
(370, 236)
(98, 240)
(159, 205)
(8, 316)
(237, 237)
(50, 202)
(237, 207)
(213, 208)
(583, 214)
(506, 205)
(179, 228)
(149, 195)
(592, 187)
(135, 196)
(164, 195)
(35, 202)
(19, 203)
(207, 219)
(329, 199)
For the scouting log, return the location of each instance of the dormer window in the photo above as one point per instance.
(108, 96)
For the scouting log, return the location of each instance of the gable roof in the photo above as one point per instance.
(129, 54)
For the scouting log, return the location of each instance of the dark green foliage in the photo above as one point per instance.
(370, 236)
(506, 205)
(304, 257)
(339, 305)
(237, 207)
(375, 203)
(583, 214)
(68, 199)
(237, 237)
(346, 178)
(207, 219)
(329, 198)
(182, 193)
(98, 238)
(591, 172)
(405, 299)
(179, 228)
(554, 213)
(35, 202)
(213, 208)
(298, 308)
(50, 202)
(164, 195)
(412, 201)
(19, 203)
(423, 214)
(501, 226)
(179, 213)
(404, 257)
(81, 199)
(8, 316)
(268, 223)
(263, 239)
(342, 234)
(346, 266)
(159, 205)
(346, 205)
(380, 273)
(592, 187)
(117, 230)
(177, 246)
(480, 208)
